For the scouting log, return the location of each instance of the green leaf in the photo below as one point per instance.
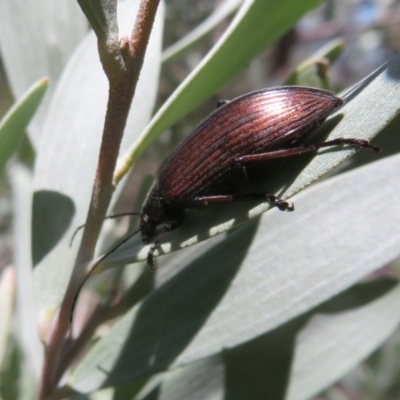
(314, 71)
(257, 24)
(237, 292)
(14, 123)
(222, 11)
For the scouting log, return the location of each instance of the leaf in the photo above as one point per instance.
(310, 72)
(36, 40)
(22, 191)
(237, 292)
(14, 123)
(257, 24)
(7, 289)
(221, 12)
(102, 15)
(198, 381)
(344, 340)
(259, 369)
(66, 162)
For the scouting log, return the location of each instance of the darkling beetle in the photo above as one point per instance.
(264, 125)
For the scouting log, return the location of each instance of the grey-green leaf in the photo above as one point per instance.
(36, 40)
(335, 343)
(7, 293)
(26, 311)
(338, 343)
(102, 15)
(244, 288)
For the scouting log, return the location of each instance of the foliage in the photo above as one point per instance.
(269, 305)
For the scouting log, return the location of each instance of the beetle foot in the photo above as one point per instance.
(284, 205)
(365, 144)
(151, 262)
(150, 257)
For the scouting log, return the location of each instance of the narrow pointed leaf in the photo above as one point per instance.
(222, 11)
(13, 124)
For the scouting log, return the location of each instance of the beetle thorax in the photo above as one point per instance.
(153, 214)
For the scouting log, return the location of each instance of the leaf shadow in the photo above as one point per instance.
(260, 368)
(187, 300)
(52, 214)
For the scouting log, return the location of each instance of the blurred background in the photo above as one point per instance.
(370, 31)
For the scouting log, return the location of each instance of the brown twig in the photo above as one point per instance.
(122, 65)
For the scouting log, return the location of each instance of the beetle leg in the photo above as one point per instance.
(276, 201)
(168, 226)
(295, 151)
(150, 256)
(360, 144)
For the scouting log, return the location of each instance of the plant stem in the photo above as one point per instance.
(123, 77)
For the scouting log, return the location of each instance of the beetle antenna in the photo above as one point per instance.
(108, 217)
(96, 264)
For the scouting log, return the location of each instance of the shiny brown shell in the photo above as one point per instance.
(258, 122)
